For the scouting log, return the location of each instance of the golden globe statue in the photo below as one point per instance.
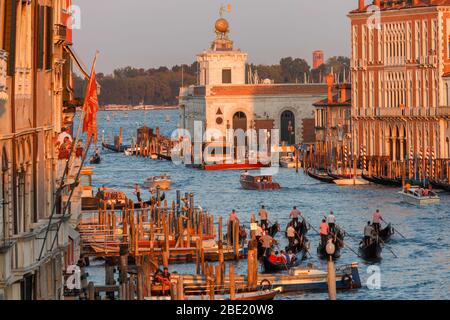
(222, 25)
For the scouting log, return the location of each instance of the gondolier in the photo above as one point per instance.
(294, 215)
(324, 230)
(290, 233)
(137, 192)
(267, 242)
(368, 233)
(331, 220)
(263, 215)
(376, 220)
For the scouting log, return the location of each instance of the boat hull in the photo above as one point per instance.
(371, 252)
(323, 177)
(419, 201)
(260, 186)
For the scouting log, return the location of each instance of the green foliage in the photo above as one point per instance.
(160, 86)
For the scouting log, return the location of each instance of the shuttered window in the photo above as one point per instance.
(10, 34)
(226, 76)
(40, 38)
(49, 38)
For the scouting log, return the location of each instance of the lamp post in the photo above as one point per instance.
(330, 249)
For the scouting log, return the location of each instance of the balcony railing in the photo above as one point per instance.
(404, 112)
(60, 35)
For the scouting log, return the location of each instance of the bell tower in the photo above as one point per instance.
(222, 64)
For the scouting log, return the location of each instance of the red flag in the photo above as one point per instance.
(90, 108)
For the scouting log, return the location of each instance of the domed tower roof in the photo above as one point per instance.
(222, 29)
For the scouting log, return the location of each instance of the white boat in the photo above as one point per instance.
(168, 119)
(415, 196)
(163, 182)
(288, 161)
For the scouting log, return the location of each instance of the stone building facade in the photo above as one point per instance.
(222, 100)
(35, 83)
(333, 122)
(401, 78)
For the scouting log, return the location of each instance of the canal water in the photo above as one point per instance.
(421, 271)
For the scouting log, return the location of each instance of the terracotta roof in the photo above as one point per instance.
(406, 5)
(336, 102)
(272, 89)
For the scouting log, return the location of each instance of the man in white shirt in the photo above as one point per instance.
(290, 231)
(331, 220)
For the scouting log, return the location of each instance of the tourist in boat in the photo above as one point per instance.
(267, 242)
(368, 233)
(166, 275)
(294, 215)
(324, 231)
(137, 192)
(281, 258)
(331, 220)
(286, 257)
(272, 257)
(290, 232)
(242, 235)
(376, 220)
(264, 215)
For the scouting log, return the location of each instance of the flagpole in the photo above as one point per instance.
(66, 171)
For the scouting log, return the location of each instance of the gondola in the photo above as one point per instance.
(386, 233)
(322, 253)
(321, 176)
(338, 245)
(270, 267)
(95, 159)
(340, 176)
(383, 181)
(371, 251)
(439, 184)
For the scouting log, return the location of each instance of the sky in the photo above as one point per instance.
(153, 33)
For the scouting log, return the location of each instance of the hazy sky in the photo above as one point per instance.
(150, 33)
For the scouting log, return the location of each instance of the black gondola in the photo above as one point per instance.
(383, 181)
(95, 159)
(340, 176)
(321, 176)
(386, 233)
(371, 251)
(270, 266)
(338, 241)
(439, 184)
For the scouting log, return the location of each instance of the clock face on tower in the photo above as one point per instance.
(219, 120)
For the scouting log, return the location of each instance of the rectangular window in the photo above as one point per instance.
(40, 40)
(226, 75)
(49, 38)
(9, 36)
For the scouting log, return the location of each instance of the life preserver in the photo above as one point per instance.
(347, 281)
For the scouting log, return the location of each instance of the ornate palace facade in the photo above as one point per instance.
(35, 83)
(401, 78)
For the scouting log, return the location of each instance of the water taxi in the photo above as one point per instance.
(163, 182)
(262, 182)
(418, 196)
(288, 161)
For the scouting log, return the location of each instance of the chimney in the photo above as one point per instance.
(362, 5)
(330, 82)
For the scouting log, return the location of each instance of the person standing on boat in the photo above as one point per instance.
(264, 215)
(233, 218)
(259, 232)
(324, 230)
(267, 242)
(137, 192)
(331, 220)
(376, 220)
(290, 232)
(368, 232)
(294, 215)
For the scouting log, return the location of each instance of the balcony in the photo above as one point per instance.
(60, 34)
